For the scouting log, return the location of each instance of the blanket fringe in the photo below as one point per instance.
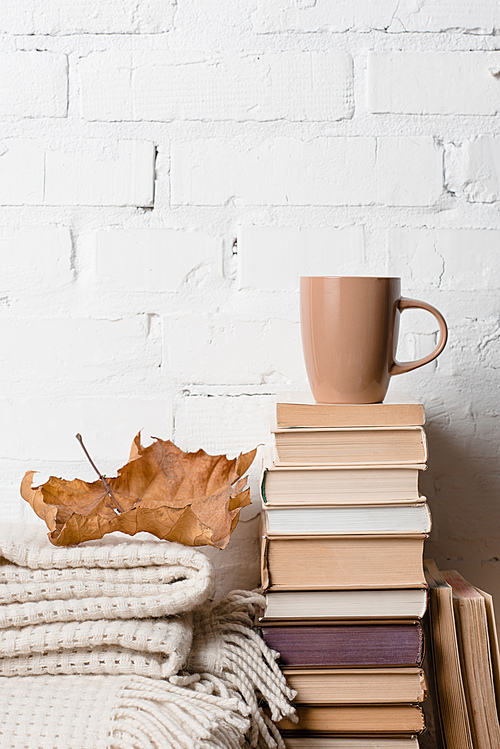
(194, 713)
(227, 646)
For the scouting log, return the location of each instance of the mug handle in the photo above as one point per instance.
(402, 367)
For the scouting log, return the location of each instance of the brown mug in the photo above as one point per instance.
(350, 327)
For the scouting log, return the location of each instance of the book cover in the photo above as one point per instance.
(330, 562)
(341, 645)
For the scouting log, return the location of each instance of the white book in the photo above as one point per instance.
(343, 520)
(346, 604)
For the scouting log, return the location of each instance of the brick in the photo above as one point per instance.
(446, 15)
(473, 169)
(86, 16)
(49, 353)
(88, 172)
(22, 167)
(449, 259)
(385, 15)
(35, 258)
(322, 171)
(434, 82)
(227, 351)
(151, 259)
(33, 84)
(179, 86)
(322, 15)
(108, 427)
(215, 422)
(274, 257)
(119, 173)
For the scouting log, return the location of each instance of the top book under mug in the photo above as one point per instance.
(350, 327)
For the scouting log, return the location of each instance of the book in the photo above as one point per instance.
(344, 605)
(356, 686)
(340, 485)
(495, 650)
(301, 410)
(351, 446)
(475, 655)
(447, 668)
(345, 742)
(433, 737)
(357, 719)
(354, 645)
(333, 562)
(343, 520)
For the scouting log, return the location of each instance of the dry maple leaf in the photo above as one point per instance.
(192, 498)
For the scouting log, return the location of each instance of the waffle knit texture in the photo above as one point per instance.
(116, 645)
(109, 607)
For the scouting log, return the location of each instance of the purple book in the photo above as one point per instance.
(349, 645)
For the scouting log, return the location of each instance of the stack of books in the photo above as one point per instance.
(342, 564)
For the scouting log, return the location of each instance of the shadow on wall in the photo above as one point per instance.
(462, 485)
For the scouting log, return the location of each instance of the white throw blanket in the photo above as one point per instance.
(81, 628)
(100, 608)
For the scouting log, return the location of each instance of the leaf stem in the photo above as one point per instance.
(103, 479)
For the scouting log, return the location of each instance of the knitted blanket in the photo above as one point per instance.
(124, 632)
(100, 608)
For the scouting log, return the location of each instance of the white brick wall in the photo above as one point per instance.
(448, 259)
(44, 92)
(229, 351)
(151, 259)
(35, 259)
(435, 83)
(50, 17)
(473, 169)
(386, 15)
(74, 354)
(274, 257)
(91, 172)
(323, 171)
(293, 137)
(173, 86)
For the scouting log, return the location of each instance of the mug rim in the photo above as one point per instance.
(389, 278)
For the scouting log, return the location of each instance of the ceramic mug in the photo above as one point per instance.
(350, 327)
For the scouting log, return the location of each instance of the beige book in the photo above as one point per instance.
(356, 685)
(495, 650)
(340, 485)
(336, 562)
(356, 719)
(344, 742)
(475, 655)
(301, 410)
(370, 445)
(447, 666)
